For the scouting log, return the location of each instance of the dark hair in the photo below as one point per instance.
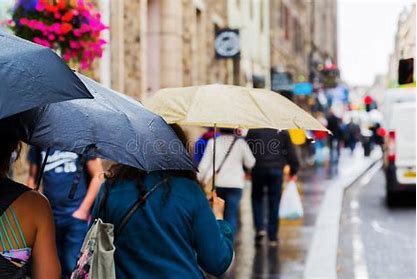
(184, 140)
(122, 172)
(9, 142)
(227, 131)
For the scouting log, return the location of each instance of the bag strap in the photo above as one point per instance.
(227, 155)
(103, 201)
(135, 207)
(126, 217)
(9, 192)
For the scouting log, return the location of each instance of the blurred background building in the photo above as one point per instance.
(404, 43)
(162, 43)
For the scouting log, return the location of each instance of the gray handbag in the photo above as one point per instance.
(96, 260)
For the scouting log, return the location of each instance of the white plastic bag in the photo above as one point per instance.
(291, 206)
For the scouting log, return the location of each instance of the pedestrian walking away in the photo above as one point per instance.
(335, 138)
(70, 215)
(234, 155)
(27, 246)
(272, 150)
(352, 135)
(174, 234)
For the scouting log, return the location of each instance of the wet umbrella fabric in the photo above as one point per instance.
(117, 128)
(32, 75)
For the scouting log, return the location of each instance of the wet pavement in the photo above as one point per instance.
(376, 241)
(288, 260)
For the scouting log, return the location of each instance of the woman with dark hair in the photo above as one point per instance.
(27, 237)
(174, 233)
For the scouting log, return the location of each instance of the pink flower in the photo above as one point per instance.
(84, 28)
(40, 7)
(74, 44)
(67, 56)
(56, 27)
(84, 65)
(45, 43)
(51, 37)
(37, 40)
(31, 24)
(41, 41)
(23, 21)
(77, 32)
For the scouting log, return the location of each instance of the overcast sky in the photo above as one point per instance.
(366, 31)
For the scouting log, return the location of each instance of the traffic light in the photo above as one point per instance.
(406, 71)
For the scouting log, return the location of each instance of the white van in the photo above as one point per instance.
(394, 96)
(400, 147)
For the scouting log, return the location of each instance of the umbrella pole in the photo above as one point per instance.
(40, 174)
(213, 188)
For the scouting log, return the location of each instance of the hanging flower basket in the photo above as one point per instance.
(72, 27)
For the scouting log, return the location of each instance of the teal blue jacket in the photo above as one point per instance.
(173, 235)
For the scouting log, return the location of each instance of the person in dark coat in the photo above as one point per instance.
(353, 135)
(273, 150)
(334, 124)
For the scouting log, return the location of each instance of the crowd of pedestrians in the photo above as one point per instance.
(184, 230)
(179, 232)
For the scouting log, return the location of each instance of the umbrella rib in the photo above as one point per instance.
(262, 111)
(194, 100)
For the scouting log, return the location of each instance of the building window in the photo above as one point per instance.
(251, 8)
(297, 38)
(287, 17)
(261, 11)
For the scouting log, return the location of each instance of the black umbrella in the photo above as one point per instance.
(111, 126)
(32, 75)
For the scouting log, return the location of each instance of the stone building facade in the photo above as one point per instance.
(162, 43)
(404, 43)
(251, 17)
(290, 36)
(303, 35)
(323, 30)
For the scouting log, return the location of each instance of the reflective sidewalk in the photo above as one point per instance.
(288, 260)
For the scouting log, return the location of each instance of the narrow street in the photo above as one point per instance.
(289, 259)
(376, 241)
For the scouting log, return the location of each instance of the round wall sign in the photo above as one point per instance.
(227, 43)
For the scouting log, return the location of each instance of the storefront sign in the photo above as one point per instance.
(303, 88)
(281, 81)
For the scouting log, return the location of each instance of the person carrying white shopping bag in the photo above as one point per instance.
(291, 206)
(273, 150)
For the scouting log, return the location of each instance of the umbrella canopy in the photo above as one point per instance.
(230, 106)
(119, 128)
(32, 75)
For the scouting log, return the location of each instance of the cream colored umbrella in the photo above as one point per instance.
(229, 106)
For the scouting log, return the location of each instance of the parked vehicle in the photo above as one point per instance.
(400, 143)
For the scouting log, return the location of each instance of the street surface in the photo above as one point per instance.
(289, 259)
(376, 241)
